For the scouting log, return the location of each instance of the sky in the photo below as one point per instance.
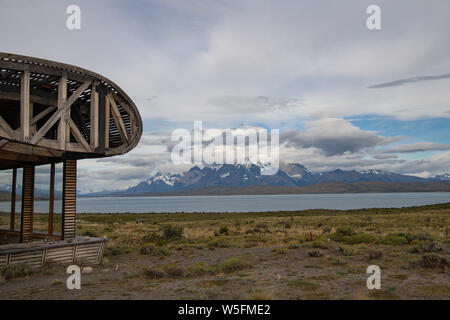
(342, 96)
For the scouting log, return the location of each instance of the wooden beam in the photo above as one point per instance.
(51, 203)
(61, 111)
(3, 142)
(12, 226)
(78, 136)
(118, 119)
(101, 119)
(15, 96)
(41, 115)
(26, 226)
(7, 130)
(94, 109)
(62, 99)
(107, 113)
(69, 199)
(25, 106)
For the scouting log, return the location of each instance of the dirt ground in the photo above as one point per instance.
(258, 256)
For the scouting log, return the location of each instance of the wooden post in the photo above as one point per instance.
(25, 106)
(94, 117)
(101, 118)
(62, 98)
(13, 200)
(26, 226)
(107, 113)
(69, 199)
(51, 200)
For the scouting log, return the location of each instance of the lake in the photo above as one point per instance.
(246, 203)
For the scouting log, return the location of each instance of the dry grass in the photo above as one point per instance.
(272, 251)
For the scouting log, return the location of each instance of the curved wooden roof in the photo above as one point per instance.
(51, 111)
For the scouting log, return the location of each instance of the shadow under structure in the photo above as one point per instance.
(51, 113)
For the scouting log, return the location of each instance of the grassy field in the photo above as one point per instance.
(256, 256)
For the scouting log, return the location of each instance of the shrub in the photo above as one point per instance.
(427, 246)
(354, 239)
(280, 250)
(433, 260)
(89, 233)
(326, 229)
(319, 244)
(374, 254)
(154, 251)
(113, 251)
(423, 236)
(13, 271)
(315, 253)
(345, 231)
(172, 232)
(395, 239)
(200, 269)
(235, 264)
(153, 273)
(174, 272)
(223, 230)
(346, 251)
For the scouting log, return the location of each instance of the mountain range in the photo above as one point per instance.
(216, 178)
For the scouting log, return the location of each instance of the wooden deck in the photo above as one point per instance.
(86, 250)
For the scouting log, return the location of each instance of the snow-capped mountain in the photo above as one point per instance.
(245, 175)
(442, 177)
(160, 182)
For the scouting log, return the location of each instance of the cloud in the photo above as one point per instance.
(335, 136)
(418, 147)
(410, 80)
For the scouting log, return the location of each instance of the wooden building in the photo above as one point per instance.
(52, 113)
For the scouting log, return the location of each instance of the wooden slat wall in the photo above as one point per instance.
(89, 253)
(31, 258)
(69, 199)
(26, 227)
(63, 255)
(3, 260)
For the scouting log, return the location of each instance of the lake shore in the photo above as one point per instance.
(256, 255)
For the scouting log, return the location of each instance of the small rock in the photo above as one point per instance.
(87, 270)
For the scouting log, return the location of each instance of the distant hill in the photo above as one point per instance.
(291, 178)
(320, 188)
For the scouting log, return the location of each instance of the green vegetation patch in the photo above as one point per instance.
(235, 264)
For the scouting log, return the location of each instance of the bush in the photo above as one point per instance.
(374, 254)
(223, 230)
(326, 229)
(13, 271)
(89, 233)
(354, 239)
(345, 231)
(172, 232)
(433, 260)
(174, 272)
(346, 251)
(280, 250)
(395, 239)
(153, 273)
(315, 253)
(427, 246)
(319, 244)
(200, 269)
(235, 264)
(154, 251)
(113, 251)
